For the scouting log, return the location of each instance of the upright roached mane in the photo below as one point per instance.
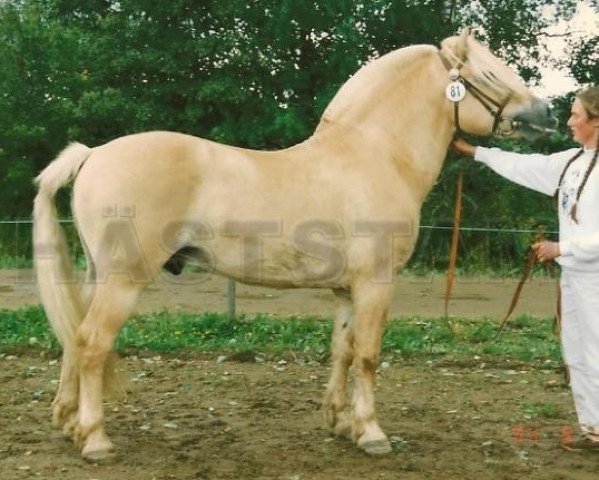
(340, 210)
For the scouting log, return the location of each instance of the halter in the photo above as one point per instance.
(502, 126)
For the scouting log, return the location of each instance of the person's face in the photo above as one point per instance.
(585, 130)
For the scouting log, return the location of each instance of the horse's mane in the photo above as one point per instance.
(486, 69)
(372, 79)
(369, 85)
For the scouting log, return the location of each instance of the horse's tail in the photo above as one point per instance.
(59, 292)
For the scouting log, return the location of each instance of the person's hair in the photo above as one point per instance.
(589, 97)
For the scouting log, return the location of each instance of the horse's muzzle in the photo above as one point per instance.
(532, 123)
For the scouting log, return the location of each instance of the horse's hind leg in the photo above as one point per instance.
(109, 310)
(89, 284)
(371, 304)
(66, 402)
(65, 405)
(335, 400)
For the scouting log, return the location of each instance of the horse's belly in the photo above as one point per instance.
(310, 257)
(282, 263)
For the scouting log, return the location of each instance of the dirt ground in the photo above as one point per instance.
(208, 418)
(414, 296)
(257, 417)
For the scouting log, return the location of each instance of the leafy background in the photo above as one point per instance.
(251, 73)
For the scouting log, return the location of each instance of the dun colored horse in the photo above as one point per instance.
(340, 211)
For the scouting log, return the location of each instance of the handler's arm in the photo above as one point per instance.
(535, 171)
(538, 172)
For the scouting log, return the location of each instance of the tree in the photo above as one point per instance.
(253, 73)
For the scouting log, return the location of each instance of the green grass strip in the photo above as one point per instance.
(525, 339)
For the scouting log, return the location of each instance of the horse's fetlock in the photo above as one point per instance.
(368, 363)
(82, 431)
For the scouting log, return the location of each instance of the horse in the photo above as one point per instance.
(340, 211)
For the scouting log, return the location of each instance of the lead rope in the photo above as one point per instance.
(455, 236)
(526, 274)
(457, 90)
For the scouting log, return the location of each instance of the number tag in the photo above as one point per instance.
(455, 91)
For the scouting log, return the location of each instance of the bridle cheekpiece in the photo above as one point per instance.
(459, 86)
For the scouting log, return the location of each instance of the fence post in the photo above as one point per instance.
(231, 298)
(17, 245)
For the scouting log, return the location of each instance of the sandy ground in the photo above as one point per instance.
(420, 296)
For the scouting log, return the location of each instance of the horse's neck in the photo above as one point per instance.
(402, 115)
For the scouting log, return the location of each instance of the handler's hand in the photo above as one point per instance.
(463, 147)
(546, 251)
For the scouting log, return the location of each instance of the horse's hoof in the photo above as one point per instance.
(376, 448)
(102, 457)
(98, 448)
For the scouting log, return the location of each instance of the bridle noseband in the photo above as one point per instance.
(502, 126)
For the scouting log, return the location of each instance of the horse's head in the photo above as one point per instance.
(488, 97)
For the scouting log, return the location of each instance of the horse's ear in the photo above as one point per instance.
(462, 46)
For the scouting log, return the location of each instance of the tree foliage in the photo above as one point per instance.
(253, 73)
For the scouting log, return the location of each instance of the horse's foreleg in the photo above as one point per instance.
(335, 400)
(371, 304)
(109, 310)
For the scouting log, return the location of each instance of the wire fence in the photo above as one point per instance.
(16, 223)
(488, 249)
(481, 248)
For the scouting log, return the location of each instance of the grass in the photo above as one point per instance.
(546, 411)
(14, 262)
(525, 339)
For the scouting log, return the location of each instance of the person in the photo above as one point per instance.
(572, 177)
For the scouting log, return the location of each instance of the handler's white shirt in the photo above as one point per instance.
(579, 242)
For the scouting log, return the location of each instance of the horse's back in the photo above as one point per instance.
(126, 169)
